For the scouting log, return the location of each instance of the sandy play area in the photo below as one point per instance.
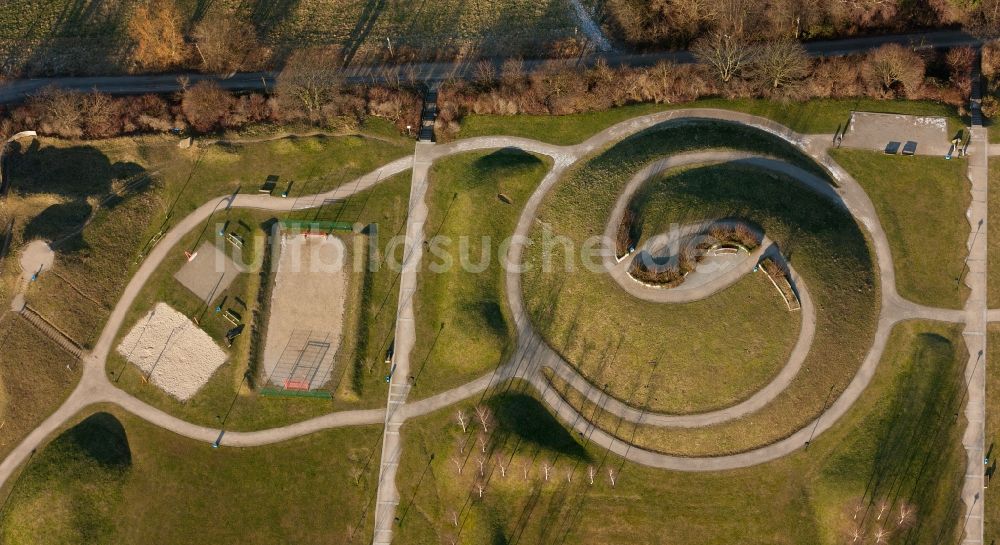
(177, 356)
(307, 310)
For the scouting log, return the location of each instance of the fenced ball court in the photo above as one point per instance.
(305, 322)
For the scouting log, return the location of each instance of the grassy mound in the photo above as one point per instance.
(900, 444)
(581, 315)
(70, 491)
(80, 489)
(465, 328)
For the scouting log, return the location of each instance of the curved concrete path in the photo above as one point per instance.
(531, 353)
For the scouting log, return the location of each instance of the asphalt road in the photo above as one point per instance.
(17, 90)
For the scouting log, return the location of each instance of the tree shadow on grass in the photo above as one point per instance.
(505, 162)
(79, 175)
(522, 415)
(82, 39)
(57, 220)
(102, 438)
(266, 15)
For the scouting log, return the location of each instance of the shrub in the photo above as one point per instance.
(738, 233)
(626, 238)
(205, 106)
(665, 276)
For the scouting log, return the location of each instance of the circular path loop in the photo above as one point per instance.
(532, 353)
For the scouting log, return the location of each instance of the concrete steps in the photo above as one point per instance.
(428, 115)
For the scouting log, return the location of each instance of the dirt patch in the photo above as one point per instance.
(172, 351)
(209, 273)
(305, 325)
(36, 257)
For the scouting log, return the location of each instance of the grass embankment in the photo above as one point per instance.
(368, 325)
(809, 117)
(465, 328)
(35, 377)
(56, 185)
(898, 446)
(581, 315)
(991, 505)
(113, 478)
(921, 204)
(993, 235)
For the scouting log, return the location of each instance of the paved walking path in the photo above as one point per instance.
(399, 386)
(531, 354)
(975, 339)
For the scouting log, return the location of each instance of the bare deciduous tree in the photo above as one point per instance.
(458, 464)
(780, 63)
(611, 475)
(60, 111)
(590, 474)
(225, 43)
(728, 55)
(486, 74)
(155, 31)
(485, 416)
(502, 464)
(892, 66)
(205, 105)
(512, 74)
(310, 80)
(461, 420)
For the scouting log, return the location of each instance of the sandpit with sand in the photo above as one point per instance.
(304, 327)
(172, 351)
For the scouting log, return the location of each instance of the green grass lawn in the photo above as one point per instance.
(993, 235)
(581, 314)
(900, 444)
(113, 478)
(465, 328)
(369, 324)
(809, 117)
(921, 203)
(34, 379)
(991, 505)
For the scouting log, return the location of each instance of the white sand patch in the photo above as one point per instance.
(307, 305)
(177, 356)
(37, 256)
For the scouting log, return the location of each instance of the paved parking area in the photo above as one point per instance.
(874, 131)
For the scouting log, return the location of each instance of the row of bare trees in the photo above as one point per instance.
(310, 89)
(729, 65)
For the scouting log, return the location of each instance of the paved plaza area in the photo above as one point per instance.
(875, 131)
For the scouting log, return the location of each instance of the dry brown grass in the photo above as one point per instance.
(34, 379)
